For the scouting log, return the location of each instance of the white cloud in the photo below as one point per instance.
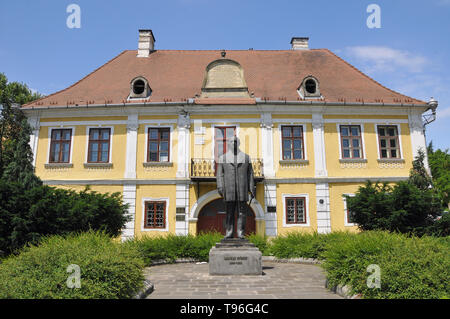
(385, 59)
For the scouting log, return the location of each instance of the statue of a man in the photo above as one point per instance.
(234, 183)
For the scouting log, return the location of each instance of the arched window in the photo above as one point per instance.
(139, 88)
(309, 88)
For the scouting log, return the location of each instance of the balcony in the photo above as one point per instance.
(204, 170)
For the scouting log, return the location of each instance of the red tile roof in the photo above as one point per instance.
(177, 75)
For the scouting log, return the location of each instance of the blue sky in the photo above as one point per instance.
(410, 53)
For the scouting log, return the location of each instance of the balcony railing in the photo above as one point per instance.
(205, 169)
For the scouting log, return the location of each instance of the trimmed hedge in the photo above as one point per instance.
(109, 270)
(171, 247)
(411, 267)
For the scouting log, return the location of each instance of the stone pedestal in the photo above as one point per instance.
(235, 257)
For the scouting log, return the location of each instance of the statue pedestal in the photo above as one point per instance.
(235, 257)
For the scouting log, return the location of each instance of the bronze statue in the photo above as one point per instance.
(235, 181)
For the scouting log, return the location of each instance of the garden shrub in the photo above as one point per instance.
(28, 214)
(410, 267)
(172, 247)
(108, 269)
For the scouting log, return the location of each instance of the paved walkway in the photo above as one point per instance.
(280, 280)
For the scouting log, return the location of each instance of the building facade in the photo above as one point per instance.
(151, 124)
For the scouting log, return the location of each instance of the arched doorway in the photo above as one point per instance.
(212, 218)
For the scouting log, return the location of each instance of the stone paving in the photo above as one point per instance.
(280, 280)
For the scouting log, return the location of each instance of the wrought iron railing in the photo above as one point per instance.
(206, 168)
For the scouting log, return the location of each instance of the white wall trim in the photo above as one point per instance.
(308, 213)
(151, 199)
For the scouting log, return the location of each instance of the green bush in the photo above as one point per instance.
(108, 269)
(410, 267)
(172, 247)
(305, 245)
(262, 242)
(28, 214)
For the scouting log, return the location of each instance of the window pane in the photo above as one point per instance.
(298, 154)
(356, 154)
(153, 157)
(94, 147)
(345, 142)
(105, 146)
(391, 131)
(355, 130)
(67, 134)
(94, 157)
(153, 134)
(54, 156)
(56, 134)
(165, 134)
(220, 149)
(383, 153)
(297, 131)
(297, 144)
(393, 143)
(163, 157)
(355, 142)
(104, 157)
(164, 146)
(381, 131)
(230, 132)
(344, 130)
(95, 134)
(286, 131)
(383, 143)
(346, 153)
(153, 146)
(105, 134)
(220, 132)
(287, 145)
(393, 153)
(287, 155)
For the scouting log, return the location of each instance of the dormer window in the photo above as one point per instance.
(139, 88)
(309, 88)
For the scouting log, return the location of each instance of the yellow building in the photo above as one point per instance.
(150, 124)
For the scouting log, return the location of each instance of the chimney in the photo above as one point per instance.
(300, 43)
(146, 43)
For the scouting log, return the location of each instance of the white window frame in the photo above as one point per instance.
(62, 127)
(161, 199)
(88, 128)
(344, 199)
(306, 196)
(280, 133)
(363, 144)
(160, 125)
(399, 132)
